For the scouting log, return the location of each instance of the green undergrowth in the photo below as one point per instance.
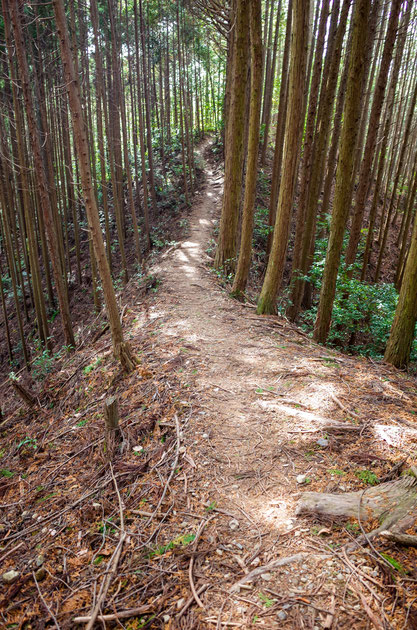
(362, 313)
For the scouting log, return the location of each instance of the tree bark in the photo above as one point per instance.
(244, 260)
(41, 174)
(227, 243)
(344, 172)
(293, 130)
(121, 349)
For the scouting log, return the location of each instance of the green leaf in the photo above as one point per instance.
(394, 563)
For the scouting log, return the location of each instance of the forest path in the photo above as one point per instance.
(262, 400)
(230, 360)
(261, 391)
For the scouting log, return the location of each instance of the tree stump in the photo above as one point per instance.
(112, 429)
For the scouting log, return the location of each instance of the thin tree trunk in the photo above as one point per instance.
(121, 349)
(41, 175)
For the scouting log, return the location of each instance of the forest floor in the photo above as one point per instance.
(226, 421)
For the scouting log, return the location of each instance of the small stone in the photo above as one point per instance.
(266, 576)
(40, 574)
(301, 478)
(53, 532)
(180, 603)
(286, 606)
(256, 562)
(282, 615)
(182, 449)
(10, 576)
(340, 576)
(234, 524)
(219, 552)
(40, 560)
(323, 442)
(375, 573)
(166, 618)
(303, 579)
(205, 436)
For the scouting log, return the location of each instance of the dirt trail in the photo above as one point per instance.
(263, 394)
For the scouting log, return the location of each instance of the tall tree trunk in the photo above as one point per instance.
(377, 103)
(293, 130)
(344, 172)
(227, 243)
(244, 260)
(121, 349)
(41, 174)
(401, 337)
(279, 134)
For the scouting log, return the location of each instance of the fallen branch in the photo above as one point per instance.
(402, 539)
(280, 562)
(114, 560)
(123, 614)
(343, 408)
(190, 568)
(190, 600)
(111, 570)
(51, 614)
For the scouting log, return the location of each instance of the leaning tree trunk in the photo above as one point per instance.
(121, 348)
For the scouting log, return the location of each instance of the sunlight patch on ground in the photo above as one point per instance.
(309, 420)
(394, 435)
(190, 245)
(276, 513)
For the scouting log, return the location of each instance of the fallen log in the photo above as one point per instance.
(393, 503)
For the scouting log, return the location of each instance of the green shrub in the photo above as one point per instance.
(362, 313)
